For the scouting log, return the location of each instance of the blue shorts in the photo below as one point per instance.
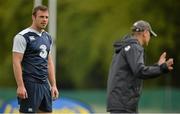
(39, 98)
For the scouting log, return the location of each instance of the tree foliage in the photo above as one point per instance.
(86, 30)
(14, 17)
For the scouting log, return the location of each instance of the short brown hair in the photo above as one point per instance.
(37, 8)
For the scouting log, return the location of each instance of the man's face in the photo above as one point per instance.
(146, 37)
(41, 19)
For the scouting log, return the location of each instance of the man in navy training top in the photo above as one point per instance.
(33, 66)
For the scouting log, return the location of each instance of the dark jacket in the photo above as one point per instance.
(126, 74)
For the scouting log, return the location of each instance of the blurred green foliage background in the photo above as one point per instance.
(86, 30)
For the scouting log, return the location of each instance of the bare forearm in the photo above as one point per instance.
(51, 73)
(17, 58)
(21, 90)
(18, 74)
(52, 79)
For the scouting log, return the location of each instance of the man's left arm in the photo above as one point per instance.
(51, 77)
(135, 58)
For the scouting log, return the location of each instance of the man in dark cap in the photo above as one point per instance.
(128, 69)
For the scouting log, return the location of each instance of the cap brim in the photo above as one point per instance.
(153, 33)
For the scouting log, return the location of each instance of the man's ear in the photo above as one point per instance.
(33, 17)
(145, 33)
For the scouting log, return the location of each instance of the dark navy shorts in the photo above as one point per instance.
(39, 98)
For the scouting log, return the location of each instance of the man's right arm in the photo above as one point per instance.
(21, 91)
(17, 58)
(19, 46)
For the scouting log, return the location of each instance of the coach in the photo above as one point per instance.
(128, 69)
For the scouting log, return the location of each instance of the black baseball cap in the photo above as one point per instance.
(140, 26)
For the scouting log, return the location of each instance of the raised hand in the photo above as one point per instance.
(162, 59)
(169, 63)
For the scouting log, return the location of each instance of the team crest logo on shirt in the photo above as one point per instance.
(32, 38)
(127, 48)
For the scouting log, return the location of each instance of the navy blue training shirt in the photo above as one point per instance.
(35, 59)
